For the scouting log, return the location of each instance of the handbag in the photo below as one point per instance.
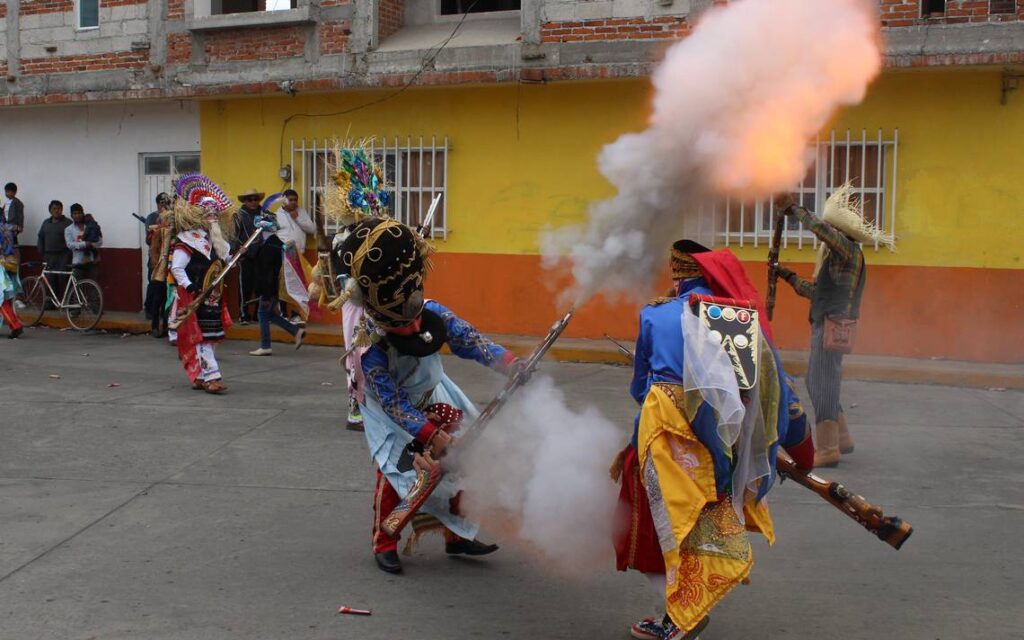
(840, 334)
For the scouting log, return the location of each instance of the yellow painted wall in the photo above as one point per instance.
(524, 156)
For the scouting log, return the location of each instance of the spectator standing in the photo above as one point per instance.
(84, 238)
(52, 245)
(245, 225)
(14, 212)
(295, 224)
(157, 236)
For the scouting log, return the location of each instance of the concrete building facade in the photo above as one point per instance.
(502, 110)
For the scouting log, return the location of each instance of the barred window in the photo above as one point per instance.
(416, 171)
(870, 165)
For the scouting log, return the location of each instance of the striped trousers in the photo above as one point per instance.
(824, 376)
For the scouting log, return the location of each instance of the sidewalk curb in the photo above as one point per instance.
(855, 367)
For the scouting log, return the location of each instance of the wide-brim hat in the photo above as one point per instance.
(251, 193)
(427, 341)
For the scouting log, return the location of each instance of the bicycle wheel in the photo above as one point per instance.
(35, 301)
(86, 305)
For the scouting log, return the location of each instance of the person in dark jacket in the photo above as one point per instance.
(53, 249)
(14, 211)
(245, 225)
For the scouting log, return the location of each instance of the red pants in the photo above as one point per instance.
(385, 499)
(11, 318)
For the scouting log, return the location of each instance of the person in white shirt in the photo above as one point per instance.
(294, 224)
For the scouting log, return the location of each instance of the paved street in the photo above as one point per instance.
(148, 510)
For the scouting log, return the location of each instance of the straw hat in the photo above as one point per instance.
(250, 193)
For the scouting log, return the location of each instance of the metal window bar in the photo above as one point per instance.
(835, 162)
(404, 164)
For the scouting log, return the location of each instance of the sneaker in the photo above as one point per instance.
(672, 632)
(262, 352)
(299, 335)
(297, 319)
(647, 629)
(243, 320)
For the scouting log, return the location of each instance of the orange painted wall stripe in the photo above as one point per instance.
(910, 311)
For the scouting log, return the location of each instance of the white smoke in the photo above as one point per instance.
(735, 104)
(540, 474)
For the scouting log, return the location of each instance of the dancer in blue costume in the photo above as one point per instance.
(664, 360)
(403, 391)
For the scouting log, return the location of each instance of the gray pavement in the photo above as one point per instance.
(148, 510)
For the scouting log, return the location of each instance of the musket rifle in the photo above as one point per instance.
(773, 259)
(428, 479)
(889, 529)
(205, 293)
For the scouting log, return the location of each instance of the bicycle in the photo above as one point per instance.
(82, 300)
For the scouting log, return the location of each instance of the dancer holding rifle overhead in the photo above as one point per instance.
(835, 294)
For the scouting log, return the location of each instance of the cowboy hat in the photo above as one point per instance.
(250, 193)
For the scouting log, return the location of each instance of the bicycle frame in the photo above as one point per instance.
(71, 285)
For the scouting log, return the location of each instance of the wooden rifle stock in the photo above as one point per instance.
(889, 529)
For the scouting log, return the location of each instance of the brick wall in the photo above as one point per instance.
(30, 7)
(392, 16)
(179, 48)
(268, 43)
(175, 9)
(106, 4)
(904, 13)
(663, 27)
(3, 11)
(93, 62)
(334, 37)
(333, 3)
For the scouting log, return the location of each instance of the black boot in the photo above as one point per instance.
(388, 561)
(15, 333)
(469, 548)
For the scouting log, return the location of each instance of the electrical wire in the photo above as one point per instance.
(427, 62)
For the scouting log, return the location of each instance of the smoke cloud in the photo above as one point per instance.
(734, 106)
(539, 474)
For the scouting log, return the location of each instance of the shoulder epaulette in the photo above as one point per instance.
(659, 300)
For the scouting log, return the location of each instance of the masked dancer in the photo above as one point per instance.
(199, 250)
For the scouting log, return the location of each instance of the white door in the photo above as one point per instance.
(156, 175)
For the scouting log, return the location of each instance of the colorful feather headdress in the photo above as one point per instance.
(357, 188)
(197, 197)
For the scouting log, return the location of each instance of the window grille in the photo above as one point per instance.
(869, 163)
(416, 171)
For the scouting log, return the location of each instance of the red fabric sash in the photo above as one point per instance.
(726, 277)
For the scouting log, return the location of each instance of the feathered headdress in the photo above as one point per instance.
(197, 189)
(197, 197)
(357, 188)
